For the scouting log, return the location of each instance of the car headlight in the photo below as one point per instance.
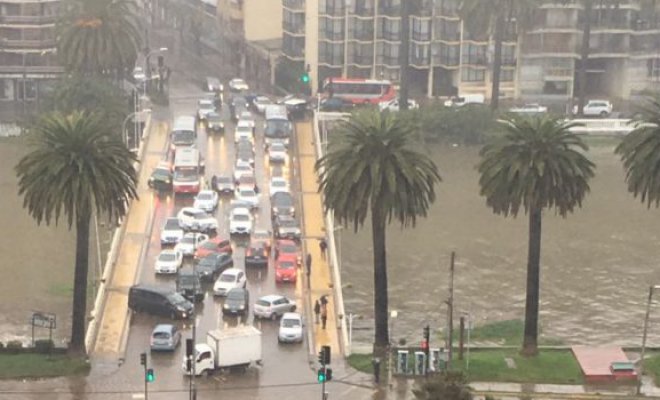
(241, 307)
(226, 306)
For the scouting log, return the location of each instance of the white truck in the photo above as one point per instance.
(234, 347)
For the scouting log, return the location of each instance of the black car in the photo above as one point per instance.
(282, 204)
(159, 301)
(189, 286)
(214, 123)
(236, 302)
(209, 267)
(336, 104)
(296, 107)
(223, 184)
(256, 255)
(161, 178)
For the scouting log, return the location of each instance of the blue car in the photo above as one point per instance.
(165, 337)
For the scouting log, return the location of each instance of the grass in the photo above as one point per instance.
(550, 366)
(652, 367)
(504, 333)
(14, 366)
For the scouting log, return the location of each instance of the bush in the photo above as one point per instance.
(2, 345)
(44, 346)
(14, 346)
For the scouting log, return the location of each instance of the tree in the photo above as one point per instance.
(448, 385)
(77, 166)
(493, 20)
(372, 168)
(640, 155)
(538, 164)
(99, 37)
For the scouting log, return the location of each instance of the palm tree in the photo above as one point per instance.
(373, 168)
(77, 166)
(99, 36)
(538, 164)
(493, 19)
(640, 156)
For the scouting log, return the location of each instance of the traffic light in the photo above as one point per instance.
(328, 374)
(427, 338)
(321, 377)
(150, 377)
(304, 78)
(324, 355)
(143, 359)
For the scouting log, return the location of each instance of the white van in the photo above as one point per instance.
(187, 170)
(184, 132)
(461, 100)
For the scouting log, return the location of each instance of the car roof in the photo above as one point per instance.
(163, 328)
(271, 297)
(206, 191)
(205, 101)
(168, 251)
(231, 271)
(292, 315)
(241, 210)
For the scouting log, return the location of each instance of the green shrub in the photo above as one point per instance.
(2, 345)
(14, 346)
(44, 346)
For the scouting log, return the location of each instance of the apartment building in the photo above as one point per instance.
(28, 60)
(361, 38)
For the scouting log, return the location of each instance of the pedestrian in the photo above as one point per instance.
(308, 264)
(324, 300)
(324, 315)
(375, 363)
(317, 311)
(323, 246)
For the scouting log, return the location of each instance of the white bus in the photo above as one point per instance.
(278, 127)
(187, 170)
(184, 132)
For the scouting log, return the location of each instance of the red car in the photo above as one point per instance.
(286, 268)
(214, 245)
(289, 248)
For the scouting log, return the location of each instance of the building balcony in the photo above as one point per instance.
(363, 12)
(27, 44)
(364, 36)
(392, 61)
(28, 19)
(390, 10)
(333, 11)
(361, 59)
(294, 29)
(37, 71)
(296, 5)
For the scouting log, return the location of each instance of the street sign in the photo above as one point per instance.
(44, 320)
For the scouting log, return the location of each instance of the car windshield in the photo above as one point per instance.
(243, 129)
(188, 280)
(214, 118)
(209, 245)
(200, 215)
(183, 137)
(241, 217)
(161, 335)
(176, 298)
(263, 303)
(188, 240)
(247, 193)
(205, 196)
(172, 224)
(290, 323)
(224, 179)
(186, 174)
(278, 183)
(227, 278)
(167, 257)
(235, 295)
(161, 173)
(288, 249)
(262, 100)
(277, 147)
(206, 105)
(206, 262)
(282, 200)
(277, 128)
(289, 223)
(286, 265)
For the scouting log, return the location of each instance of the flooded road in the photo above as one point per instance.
(597, 264)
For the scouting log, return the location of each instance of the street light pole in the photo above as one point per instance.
(123, 125)
(644, 334)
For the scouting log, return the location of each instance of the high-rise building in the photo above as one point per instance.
(28, 59)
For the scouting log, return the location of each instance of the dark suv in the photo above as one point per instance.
(159, 301)
(161, 178)
(189, 286)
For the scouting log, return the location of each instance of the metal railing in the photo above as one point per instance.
(604, 127)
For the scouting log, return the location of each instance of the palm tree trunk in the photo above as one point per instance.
(404, 57)
(497, 61)
(381, 337)
(530, 341)
(584, 56)
(77, 345)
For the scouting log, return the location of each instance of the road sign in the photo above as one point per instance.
(44, 320)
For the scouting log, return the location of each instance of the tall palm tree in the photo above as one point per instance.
(99, 36)
(373, 168)
(538, 164)
(77, 166)
(493, 19)
(640, 156)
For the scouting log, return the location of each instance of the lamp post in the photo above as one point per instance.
(646, 326)
(123, 126)
(337, 232)
(147, 68)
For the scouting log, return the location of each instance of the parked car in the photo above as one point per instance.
(336, 104)
(190, 242)
(194, 219)
(158, 301)
(529, 109)
(285, 268)
(222, 184)
(596, 108)
(229, 279)
(288, 248)
(273, 306)
(256, 254)
(161, 178)
(238, 85)
(171, 232)
(462, 100)
(168, 262)
(165, 337)
(214, 122)
(277, 153)
(237, 301)
(240, 221)
(282, 204)
(393, 105)
(189, 285)
(286, 227)
(206, 200)
(211, 265)
(204, 107)
(291, 328)
(260, 103)
(214, 245)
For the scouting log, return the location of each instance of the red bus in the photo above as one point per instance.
(359, 91)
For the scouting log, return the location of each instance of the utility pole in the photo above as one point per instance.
(193, 389)
(450, 311)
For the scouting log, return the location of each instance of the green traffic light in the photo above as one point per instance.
(150, 375)
(304, 78)
(321, 375)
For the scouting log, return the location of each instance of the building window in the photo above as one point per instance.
(388, 54)
(390, 29)
(473, 75)
(653, 68)
(361, 29)
(506, 75)
(293, 46)
(421, 29)
(508, 55)
(474, 54)
(420, 54)
(332, 7)
(331, 53)
(447, 30)
(331, 28)
(446, 54)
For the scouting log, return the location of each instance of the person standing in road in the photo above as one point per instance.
(323, 246)
(324, 315)
(317, 311)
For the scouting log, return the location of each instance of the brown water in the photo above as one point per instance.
(597, 264)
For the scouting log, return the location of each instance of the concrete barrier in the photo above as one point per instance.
(605, 127)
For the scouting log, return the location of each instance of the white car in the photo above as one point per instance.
(204, 108)
(277, 185)
(240, 221)
(277, 152)
(291, 328)
(247, 119)
(596, 108)
(206, 200)
(229, 279)
(273, 306)
(138, 74)
(190, 242)
(393, 105)
(238, 85)
(172, 232)
(529, 109)
(247, 196)
(243, 132)
(261, 102)
(242, 169)
(168, 262)
(194, 219)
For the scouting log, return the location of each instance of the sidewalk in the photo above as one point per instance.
(115, 319)
(313, 231)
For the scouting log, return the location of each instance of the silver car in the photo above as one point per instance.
(273, 306)
(165, 337)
